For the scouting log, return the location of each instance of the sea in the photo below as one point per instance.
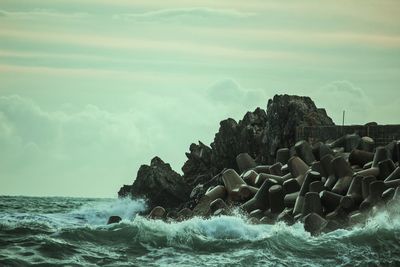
(63, 231)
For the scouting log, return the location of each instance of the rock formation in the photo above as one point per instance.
(260, 133)
(159, 184)
(284, 114)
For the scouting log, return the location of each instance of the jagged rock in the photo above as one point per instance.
(125, 191)
(225, 145)
(198, 169)
(260, 133)
(284, 114)
(160, 185)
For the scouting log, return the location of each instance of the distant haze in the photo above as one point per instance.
(90, 90)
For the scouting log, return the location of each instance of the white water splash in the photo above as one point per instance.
(97, 213)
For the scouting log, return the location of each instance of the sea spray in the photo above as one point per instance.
(97, 213)
(60, 238)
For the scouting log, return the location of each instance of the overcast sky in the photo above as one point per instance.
(90, 90)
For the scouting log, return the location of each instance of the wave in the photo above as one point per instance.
(81, 236)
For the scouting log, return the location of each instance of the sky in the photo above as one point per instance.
(90, 90)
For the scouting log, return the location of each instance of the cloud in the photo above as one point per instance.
(188, 14)
(90, 151)
(40, 13)
(56, 151)
(228, 92)
(343, 95)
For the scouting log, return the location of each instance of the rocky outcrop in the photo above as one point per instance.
(234, 138)
(284, 114)
(159, 184)
(260, 133)
(198, 167)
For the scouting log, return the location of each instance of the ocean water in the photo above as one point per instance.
(73, 232)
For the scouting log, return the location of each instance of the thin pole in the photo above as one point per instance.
(343, 121)
(343, 117)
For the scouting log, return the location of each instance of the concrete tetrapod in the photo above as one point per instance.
(291, 188)
(394, 175)
(218, 191)
(326, 164)
(298, 168)
(235, 186)
(261, 177)
(291, 185)
(360, 157)
(381, 153)
(388, 194)
(276, 169)
(317, 186)
(343, 173)
(330, 200)
(304, 151)
(276, 196)
(352, 141)
(348, 142)
(286, 216)
(376, 189)
(184, 214)
(365, 185)
(353, 197)
(261, 198)
(314, 224)
(283, 155)
(261, 169)
(317, 167)
(213, 193)
(310, 177)
(323, 151)
(392, 183)
(258, 214)
(279, 179)
(386, 167)
(245, 162)
(312, 203)
(217, 204)
(250, 177)
(315, 150)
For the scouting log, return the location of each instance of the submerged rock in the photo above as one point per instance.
(114, 219)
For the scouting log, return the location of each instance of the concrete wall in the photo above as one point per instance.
(382, 134)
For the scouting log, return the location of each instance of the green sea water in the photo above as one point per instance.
(73, 232)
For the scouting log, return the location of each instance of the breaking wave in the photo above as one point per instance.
(35, 231)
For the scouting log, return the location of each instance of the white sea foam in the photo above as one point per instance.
(97, 213)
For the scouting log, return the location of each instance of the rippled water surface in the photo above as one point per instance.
(73, 232)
